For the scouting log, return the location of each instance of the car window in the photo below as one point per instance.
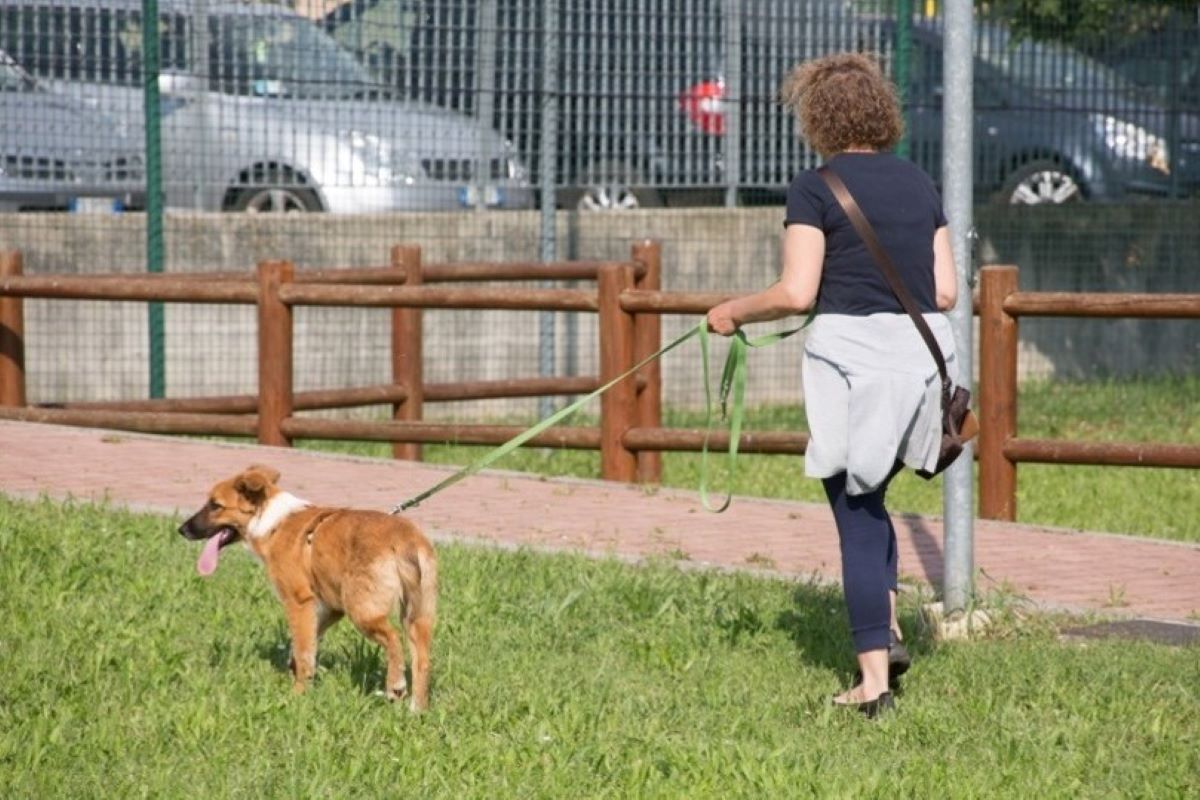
(96, 45)
(280, 56)
(1046, 66)
(1164, 63)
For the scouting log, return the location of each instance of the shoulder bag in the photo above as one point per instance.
(959, 424)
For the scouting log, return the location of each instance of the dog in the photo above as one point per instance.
(325, 563)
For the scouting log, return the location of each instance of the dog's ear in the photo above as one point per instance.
(254, 481)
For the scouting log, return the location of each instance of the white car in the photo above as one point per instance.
(262, 111)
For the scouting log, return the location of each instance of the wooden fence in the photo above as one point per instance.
(629, 301)
(1000, 448)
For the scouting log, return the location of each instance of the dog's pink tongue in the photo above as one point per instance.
(207, 563)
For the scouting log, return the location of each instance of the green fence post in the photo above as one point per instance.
(901, 65)
(154, 210)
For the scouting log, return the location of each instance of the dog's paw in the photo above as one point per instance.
(397, 693)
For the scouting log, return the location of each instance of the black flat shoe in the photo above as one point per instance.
(872, 709)
(898, 659)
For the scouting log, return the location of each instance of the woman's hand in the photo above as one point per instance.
(720, 319)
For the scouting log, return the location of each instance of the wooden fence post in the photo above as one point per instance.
(997, 394)
(275, 402)
(618, 406)
(408, 351)
(647, 338)
(12, 337)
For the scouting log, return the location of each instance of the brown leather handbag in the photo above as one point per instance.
(959, 424)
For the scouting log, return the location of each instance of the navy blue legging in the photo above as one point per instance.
(869, 559)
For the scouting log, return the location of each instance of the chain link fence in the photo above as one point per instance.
(325, 132)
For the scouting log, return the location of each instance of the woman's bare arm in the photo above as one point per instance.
(945, 277)
(803, 253)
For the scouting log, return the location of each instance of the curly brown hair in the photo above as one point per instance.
(843, 102)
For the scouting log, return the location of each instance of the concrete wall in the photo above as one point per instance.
(92, 350)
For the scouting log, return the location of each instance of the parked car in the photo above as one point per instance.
(644, 116)
(50, 156)
(1052, 125)
(262, 111)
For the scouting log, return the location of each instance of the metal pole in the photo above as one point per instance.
(957, 188)
(548, 181)
(154, 211)
(485, 93)
(733, 100)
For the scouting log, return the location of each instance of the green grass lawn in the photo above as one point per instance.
(1133, 500)
(555, 676)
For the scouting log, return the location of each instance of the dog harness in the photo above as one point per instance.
(311, 530)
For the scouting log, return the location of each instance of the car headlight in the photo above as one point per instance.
(514, 170)
(374, 163)
(1128, 140)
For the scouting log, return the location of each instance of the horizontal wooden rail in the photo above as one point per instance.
(449, 272)
(247, 403)
(516, 387)
(165, 288)
(294, 294)
(139, 421)
(349, 398)
(578, 438)
(356, 275)
(1102, 304)
(692, 440)
(1113, 454)
(187, 289)
(519, 271)
(436, 433)
(641, 301)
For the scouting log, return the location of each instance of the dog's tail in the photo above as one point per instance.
(424, 604)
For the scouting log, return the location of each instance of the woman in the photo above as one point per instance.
(870, 384)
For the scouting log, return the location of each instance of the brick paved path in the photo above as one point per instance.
(1053, 567)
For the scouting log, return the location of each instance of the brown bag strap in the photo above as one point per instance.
(890, 273)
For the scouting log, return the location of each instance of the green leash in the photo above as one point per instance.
(733, 380)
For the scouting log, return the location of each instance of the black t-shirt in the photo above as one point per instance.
(902, 205)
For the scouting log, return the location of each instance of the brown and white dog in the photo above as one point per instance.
(325, 563)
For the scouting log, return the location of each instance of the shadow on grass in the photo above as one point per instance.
(363, 661)
(817, 624)
(275, 647)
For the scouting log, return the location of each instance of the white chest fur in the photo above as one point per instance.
(277, 509)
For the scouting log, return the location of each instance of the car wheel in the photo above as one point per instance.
(1041, 183)
(276, 200)
(271, 189)
(608, 187)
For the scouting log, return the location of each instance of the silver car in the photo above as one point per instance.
(51, 157)
(262, 111)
